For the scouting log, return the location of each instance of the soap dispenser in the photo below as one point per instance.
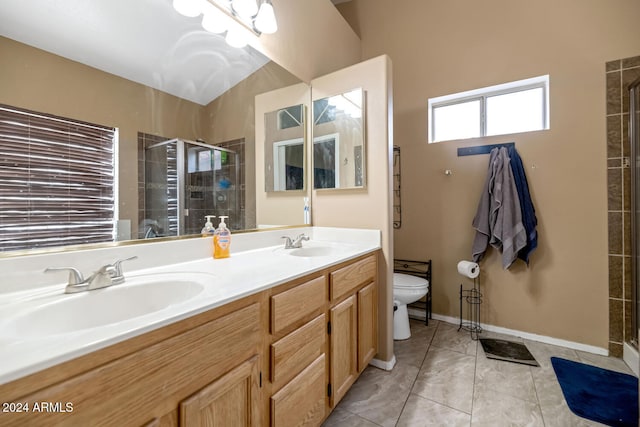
(208, 228)
(221, 240)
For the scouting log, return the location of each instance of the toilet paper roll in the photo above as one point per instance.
(469, 269)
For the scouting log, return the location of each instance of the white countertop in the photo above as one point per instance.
(259, 264)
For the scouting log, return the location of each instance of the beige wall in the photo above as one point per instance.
(312, 39)
(282, 207)
(36, 80)
(232, 116)
(369, 207)
(439, 48)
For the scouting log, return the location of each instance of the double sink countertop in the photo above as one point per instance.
(169, 281)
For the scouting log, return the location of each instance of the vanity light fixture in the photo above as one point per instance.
(265, 20)
(246, 9)
(235, 17)
(214, 20)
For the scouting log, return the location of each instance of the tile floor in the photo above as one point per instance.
(442, 378)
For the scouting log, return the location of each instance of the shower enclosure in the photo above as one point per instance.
(634, 137)
(184, 181)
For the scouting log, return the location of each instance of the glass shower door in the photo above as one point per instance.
(211, 186)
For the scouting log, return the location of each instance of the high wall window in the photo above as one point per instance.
(514, 107)
(57, 181)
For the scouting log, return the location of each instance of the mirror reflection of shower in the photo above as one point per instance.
(184, 181)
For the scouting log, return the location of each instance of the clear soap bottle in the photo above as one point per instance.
(208, 229)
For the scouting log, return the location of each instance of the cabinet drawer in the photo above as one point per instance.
(150, 382)
(295, 304)
(302, 402)
(346, 279)
(293, 353)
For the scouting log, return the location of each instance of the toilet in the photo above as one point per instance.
(406, 289)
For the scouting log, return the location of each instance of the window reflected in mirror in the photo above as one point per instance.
(338, 141)
(284, 149)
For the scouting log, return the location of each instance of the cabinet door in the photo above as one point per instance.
(232, 400)
(302, 402)
(344, 357)
(367, 325)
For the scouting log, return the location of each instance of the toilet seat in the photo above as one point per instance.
(408, 281)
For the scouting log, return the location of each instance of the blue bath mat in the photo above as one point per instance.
(598, 394)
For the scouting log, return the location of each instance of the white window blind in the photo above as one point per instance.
(57, 181)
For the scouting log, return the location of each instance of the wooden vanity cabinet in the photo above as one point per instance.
(323, 335)
(200, 369)
(354, 327)
(282, 357)
(232, 400)
(298, 359)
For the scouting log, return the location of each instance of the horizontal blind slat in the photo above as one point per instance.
(56, 180)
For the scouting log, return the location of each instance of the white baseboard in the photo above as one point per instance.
(527, 335)
(631, 358)
(384, 364)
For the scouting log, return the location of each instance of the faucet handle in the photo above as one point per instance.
(288, 244)
(118, 265)
(75, 276)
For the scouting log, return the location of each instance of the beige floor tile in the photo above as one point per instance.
(447, 378)
(513, 379)
(611, 363)
(441, 378)
(341, 418)
(378, 395)
(494, 409)
(447, 336)
(413, 350)
(543, 353)
(419, 412)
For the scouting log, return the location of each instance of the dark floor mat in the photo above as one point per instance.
(508, 351)
(598, 394)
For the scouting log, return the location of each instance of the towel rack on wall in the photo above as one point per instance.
(482, 149)
(397, 202)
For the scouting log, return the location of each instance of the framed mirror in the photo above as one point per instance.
(158, 81)
(284, 150)
(339, 141)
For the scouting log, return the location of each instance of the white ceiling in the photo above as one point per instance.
(146, 41)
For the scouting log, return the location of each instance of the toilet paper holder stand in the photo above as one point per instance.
(473, 299)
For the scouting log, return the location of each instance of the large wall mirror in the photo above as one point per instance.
(339, 141)
(179, 99)
(284, 150)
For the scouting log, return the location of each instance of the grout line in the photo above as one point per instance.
(418, 374)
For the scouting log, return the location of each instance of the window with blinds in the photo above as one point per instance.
(57, 181)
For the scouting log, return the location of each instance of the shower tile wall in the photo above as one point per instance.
(620, 74)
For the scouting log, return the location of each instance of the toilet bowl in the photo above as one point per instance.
(406, 289)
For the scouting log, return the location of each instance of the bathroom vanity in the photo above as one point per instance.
(282, 354)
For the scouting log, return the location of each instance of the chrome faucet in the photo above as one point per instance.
(295, 243)
(107, 275)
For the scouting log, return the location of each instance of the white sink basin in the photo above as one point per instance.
(314, 251)
(136, 297)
